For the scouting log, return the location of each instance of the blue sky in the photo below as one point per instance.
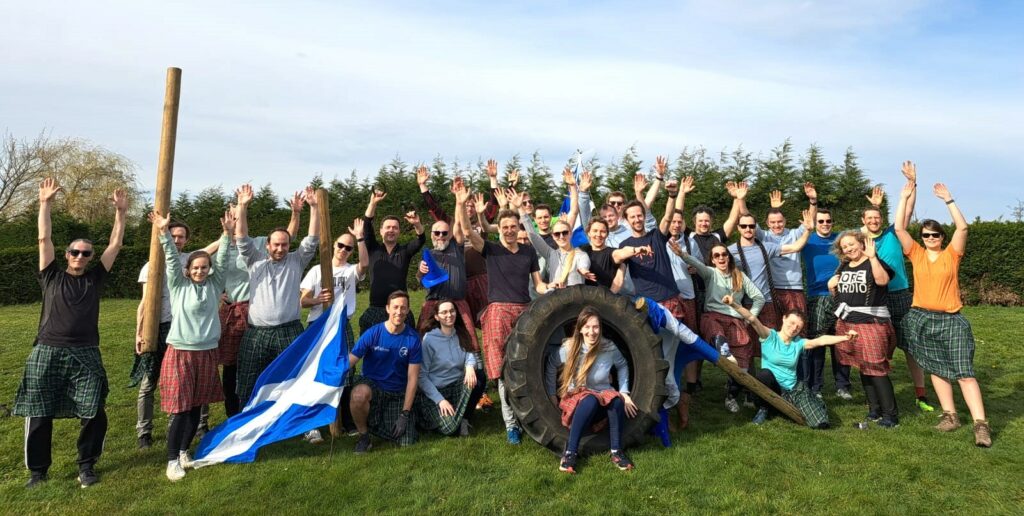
(277, 92)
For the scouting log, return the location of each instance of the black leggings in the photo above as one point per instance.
(229, 379)
(588, 411)
(39, 437)
(766, 377)
(182, 431)
(881, 398)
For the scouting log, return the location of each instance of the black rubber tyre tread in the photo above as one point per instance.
(523, 371)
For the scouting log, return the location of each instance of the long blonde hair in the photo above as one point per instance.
(574, 373)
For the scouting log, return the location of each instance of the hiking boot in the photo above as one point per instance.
(515, 435)
(88, 477)
(844, 394)
(568, 462)
(982, 434)
(174, 471)
(363, 445)
(185, 460)
(313, 436)
(145, 441)
(948, 422)
(761, 416)
(923, 406)
(37, 479)
(731, 405)
(621, 461)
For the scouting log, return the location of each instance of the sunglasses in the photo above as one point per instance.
(344, 247)
(559, 234)
(527, 201)
(440, 233)
(76, 252)
(930, 235)
(715, 256)
(824, 222)
(615, 203)
(748, 226)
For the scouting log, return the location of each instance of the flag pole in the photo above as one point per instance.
(327, 280)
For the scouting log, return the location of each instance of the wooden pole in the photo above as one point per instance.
(761, 390)
(161, 203)
(327, 277)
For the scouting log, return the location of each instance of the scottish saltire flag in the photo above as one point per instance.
(297, 392)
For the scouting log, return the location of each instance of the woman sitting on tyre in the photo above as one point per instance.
(587, 398)
(780, 353)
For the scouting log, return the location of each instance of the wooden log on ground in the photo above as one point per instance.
(761, 390)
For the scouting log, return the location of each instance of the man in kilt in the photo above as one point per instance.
(274, 278)
(64, 375)
(389, 261)
(383, 396)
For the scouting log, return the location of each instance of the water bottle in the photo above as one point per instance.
(722, 345)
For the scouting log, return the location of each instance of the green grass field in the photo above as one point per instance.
(722, 463)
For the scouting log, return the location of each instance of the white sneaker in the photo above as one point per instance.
(174, 471)
(731, 405)
(313, 436)
(185, 460)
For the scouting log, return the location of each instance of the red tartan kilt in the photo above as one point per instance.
(476, 296)
(793, 300)
(684, 310)
(735, 332)
(189, 379)
(568, 405)
(497, 321)
(427, 318)
(234, 319)
(871, 350)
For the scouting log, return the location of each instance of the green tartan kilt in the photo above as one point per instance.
(812, 408)
(260, 346)
(821, 316)
(428, 415)
(62, 383)
(385, 409)
(942, 343)
(899, 303)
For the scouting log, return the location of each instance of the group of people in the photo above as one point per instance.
(229, 309)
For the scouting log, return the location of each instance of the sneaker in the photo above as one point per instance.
(888, 422)
(568, 462)
(761, 416)
(87, 477)
(844, 394)
(145, 441)
(948, 422)
(363, 445)
(731, 405)
(621, 461)
(174, 471)
(874, 417)
(922, 404)
(464, 428)
(515, 435)
(185, 460)
(982, 434)
(313, 436)
(36, 480)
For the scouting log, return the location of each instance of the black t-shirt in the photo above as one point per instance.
(388, 271)
(857, 287)
(452, 260)
(508, 273)
(71, 307)
(652, 275)
(601, 264)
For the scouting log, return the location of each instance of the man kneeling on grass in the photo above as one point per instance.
(391, 362)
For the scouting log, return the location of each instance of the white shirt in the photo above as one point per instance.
(345, 280)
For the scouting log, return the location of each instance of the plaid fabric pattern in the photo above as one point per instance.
(821, 316)
(568, 405)
(871, 350)
(792, 300)
(189, 379)
(476, 296)
(260, 346)
(62, 383)
(899, 303)
(812, 408)
(374, 315)
(385, 409)
(233, 323)
(735, 332)
(428, 415)
(148, 364)
(497, 322)
(427, 315)
(684, 310)
(942, 343)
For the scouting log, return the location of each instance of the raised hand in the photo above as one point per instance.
(586, 180)
(673, 244)
(877, 194)
(377, 196)
(159, 222)
(412, 217)
(492, 169)
(120, 200)
(869, 247)
(243, 195)
(48, 189)
(686, 185)
(501, 194)
(422, 175)
(639, 185)
(512, 178)
(298, 201)
(810, 191)
(808, 220)
(461, 193)
(741, 190)
(776, 199)
(660, 166)
(908, 190)
(356, 229)
(941, 192)
(730, 186)
(311, 198)
(672, 187)
(227, 222)
(909, 170)
(481, 202)
(567, 177)
(515, 200)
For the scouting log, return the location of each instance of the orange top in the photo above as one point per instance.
(936, 284)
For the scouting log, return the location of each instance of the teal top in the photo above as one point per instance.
(717, 285)
(780, 358)
(195, 324)
(890, 251)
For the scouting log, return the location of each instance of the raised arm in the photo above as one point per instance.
(702, 270)
(243, 196)
(900, 225)
(808, 224)
(218, 274)
(574, 198)
(812, 200)
(435, 209)
(296, 205)
(670, 204)
(660, 169)
(47, 192)
(314, 212)
(747, 316)
(461, 198)
(172, 264)
(909, 170)
(120, 201)
(739, 206)
(877, 270)
(685, 187)
(371, 208)
(959, 239)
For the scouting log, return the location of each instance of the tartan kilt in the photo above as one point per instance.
(791, 299)
(871, 350)
(497, 321)
(62, 382)
(428, 415)
(148, 364)
(899, 303)
(374, 315)
(476, 296)
(812, 408)
(735, 332)
(189, 379)
(426, 316)
(942, 343)
(234, 319)
(385, 409)
(821, 316)
(684, 310)
(260, 346)
(568, 405)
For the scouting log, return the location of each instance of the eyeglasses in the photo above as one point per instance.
(715, 256)
(344, 247)
(75, 252)
(559, 234)
(748, 226)
(825, 221)
(615, 203)
(930, 235)
(527, 201)
(440, 233)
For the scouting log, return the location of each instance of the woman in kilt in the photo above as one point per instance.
(937, 335)
(780, 352)
(188, 376)
(859, 287)
(585, 394)
(450, 383)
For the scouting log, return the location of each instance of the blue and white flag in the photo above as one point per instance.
(297, 392)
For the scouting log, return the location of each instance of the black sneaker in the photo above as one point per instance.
(874, 417)
(145, 441)
(621, 461)
(889, 422)
(87, 477)
(37, 480)
(568, 463)
(363, 445)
